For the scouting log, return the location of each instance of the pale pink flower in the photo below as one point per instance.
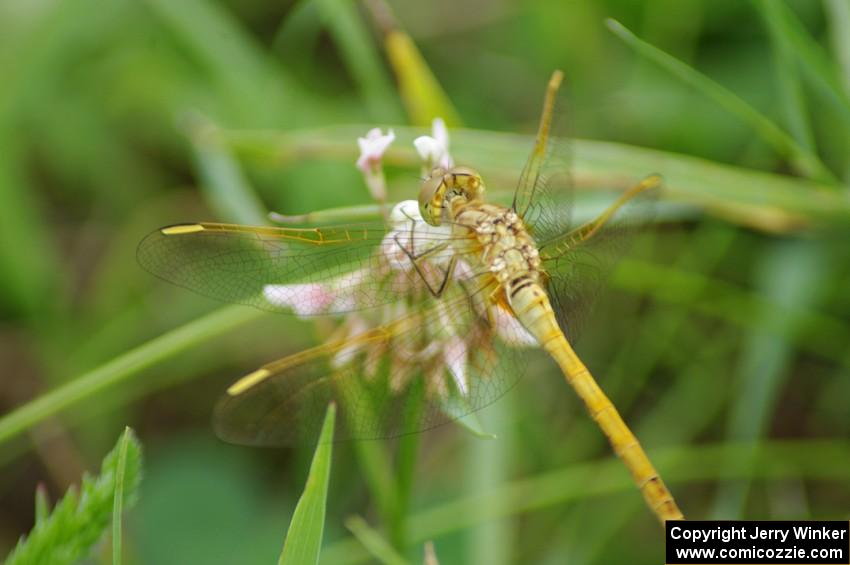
(313, 299)
(372, 149)
(346, 355)
(308, 299)
(510, 330)
(434, 149)
(455, 357)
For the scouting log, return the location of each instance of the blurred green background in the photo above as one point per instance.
(723, 337)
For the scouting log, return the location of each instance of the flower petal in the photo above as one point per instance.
(510, 330)
(308, 299)
(429, 149)
(455, 357)
(372, 148)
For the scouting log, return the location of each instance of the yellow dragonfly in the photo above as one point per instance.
(441, 300)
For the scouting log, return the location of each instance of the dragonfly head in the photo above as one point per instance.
(443, 186)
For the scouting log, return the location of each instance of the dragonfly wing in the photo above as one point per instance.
(578, 262)
(419, 371)
(312, 271)
(574, 284)
(543, 196)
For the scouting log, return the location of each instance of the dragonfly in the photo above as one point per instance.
(442, 300)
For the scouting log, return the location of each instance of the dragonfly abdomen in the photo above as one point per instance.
(532, 308)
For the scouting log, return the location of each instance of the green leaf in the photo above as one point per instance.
(78, 521)
(118, 497)
(463, 415)
(304, 538)
(374, 543)
(42, 504)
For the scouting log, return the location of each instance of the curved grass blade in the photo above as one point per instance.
(790, 87)
(357, 48)
(806, 162)
(838, 16)
(815, 62)
(420, 90)
(752, 198)
(304, 538)
(123, 367)
(223, 182)
(374, 543)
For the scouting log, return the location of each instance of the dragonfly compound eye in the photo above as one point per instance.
(431, 199)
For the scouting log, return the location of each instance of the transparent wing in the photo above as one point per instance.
(544, 192)
(423, 369)
(578, 262)
(311, 271)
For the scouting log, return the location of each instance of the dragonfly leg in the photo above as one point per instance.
(444, 283)
(416, 260)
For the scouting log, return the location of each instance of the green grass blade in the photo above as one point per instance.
(374, 543)
(827, 460)
(430, 554)
(752, 198)
(815, 61)
(375, 463)
(252, 88)
(304, 538)
(774, 460)
(406, 458)
(118, 497)
(789, 273)
(838, 16)
(78, 521)
(486, 466)
(361, 57)
(732, 304)
(124, 367)
(42, 504)
(28, 263)
(790, 89)
(222, 181)
(807, 162)
(420, 90)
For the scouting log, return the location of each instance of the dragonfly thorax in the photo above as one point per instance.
(507, 249)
